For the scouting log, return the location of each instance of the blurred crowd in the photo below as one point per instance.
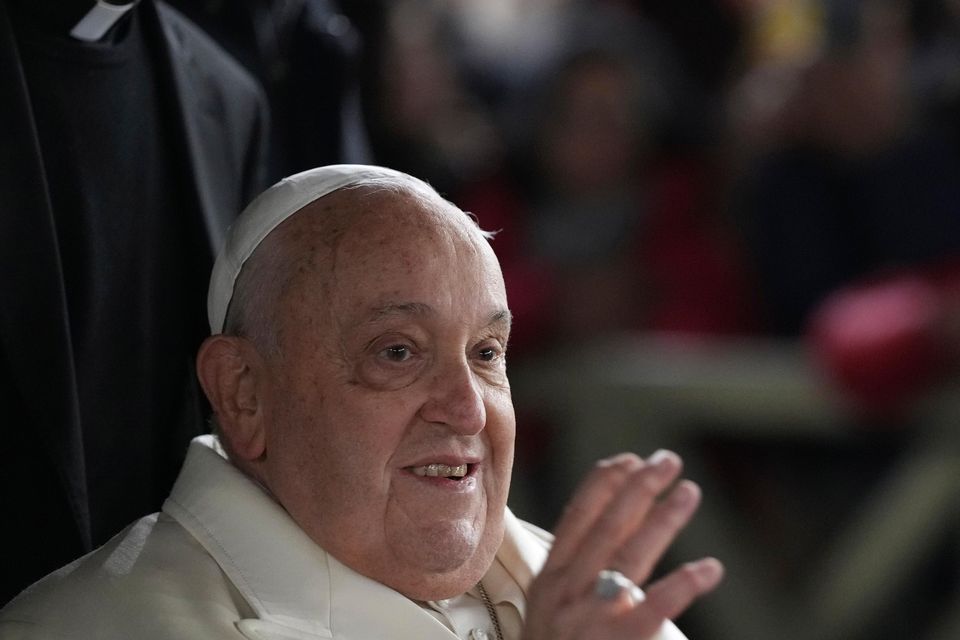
(707, 168)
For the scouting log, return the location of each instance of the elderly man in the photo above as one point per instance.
(357, 486)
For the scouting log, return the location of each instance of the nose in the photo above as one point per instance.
(456, 399)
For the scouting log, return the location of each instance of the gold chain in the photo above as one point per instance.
(491, 611)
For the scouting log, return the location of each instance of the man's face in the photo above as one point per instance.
(388, 414)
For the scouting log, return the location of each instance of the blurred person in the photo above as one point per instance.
(426, 119)
(357, 485)
(842, 177)
(850, 194)
(624, 236)
(591, 143)
(129, 142)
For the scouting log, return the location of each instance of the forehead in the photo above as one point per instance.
(386, 228)
(378, 246)
(361, 213)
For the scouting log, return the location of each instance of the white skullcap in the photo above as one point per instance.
(264, 214)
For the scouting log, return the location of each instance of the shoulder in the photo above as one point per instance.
(153, 580)
(524, 549)
(191, 45)
(539, 536)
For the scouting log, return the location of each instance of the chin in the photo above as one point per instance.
(446, 547)
(446, 562)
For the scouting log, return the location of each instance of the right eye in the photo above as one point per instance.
(393, 362)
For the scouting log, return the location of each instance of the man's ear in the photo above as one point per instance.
(231, 374)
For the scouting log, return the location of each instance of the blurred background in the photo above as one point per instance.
(727, 227)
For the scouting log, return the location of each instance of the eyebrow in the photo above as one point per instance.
(501, 317)
(399, 309)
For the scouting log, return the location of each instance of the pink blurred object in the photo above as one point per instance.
(884, 342)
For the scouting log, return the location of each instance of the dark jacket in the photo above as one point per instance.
(45, 518)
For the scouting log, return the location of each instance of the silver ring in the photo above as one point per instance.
(611, 583)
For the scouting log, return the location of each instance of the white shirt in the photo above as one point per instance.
(467, 615)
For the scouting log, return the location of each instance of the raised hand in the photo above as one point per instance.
(622, 519)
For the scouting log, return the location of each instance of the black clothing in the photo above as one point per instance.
(307, 56)
(123, 163)
(115, 196)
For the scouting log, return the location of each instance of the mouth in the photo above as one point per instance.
(440, 470)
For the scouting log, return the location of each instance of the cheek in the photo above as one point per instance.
(333, 464)
(362, 432)
(500, 412)
(501, 430)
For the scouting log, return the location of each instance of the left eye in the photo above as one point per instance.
(397, 352)
(487, 354)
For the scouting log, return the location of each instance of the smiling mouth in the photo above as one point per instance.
(437, 470)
